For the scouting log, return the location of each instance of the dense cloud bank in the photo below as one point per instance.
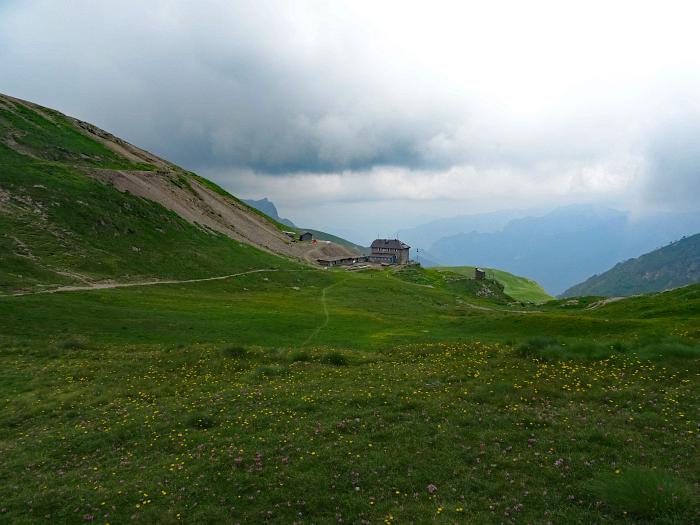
(485, 106)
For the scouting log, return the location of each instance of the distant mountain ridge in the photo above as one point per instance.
(425, 235)
(268, 208)
(677, 264)
(562, 247)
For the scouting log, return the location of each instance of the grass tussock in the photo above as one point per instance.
(66, 346)
(671, 349)
(335, 358)
(300, 356)
(235, 351)
(274, 361)
(270, 371)
(201, 422)
(645, 493)
(654, 349)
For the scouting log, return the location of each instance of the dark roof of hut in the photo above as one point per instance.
(389, 243)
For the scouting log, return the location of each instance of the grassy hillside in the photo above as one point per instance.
(58, 225)
(679, 302)
(520, 288)
(677, 264)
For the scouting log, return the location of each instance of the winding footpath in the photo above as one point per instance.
(326, 314)
(105, 286)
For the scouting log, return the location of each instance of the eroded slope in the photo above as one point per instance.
(78, 204)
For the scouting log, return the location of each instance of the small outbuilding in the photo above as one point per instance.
(306, 236)
(479, 274)
(343, 260)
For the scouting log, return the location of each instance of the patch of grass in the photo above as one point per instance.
(272, 370)
(598, 437)
(535, 346)
(646, 493)
(666, 348)
(651, 348)
(57, 138)
(335, 358)
(300, 356)
(418, 275)
(235, 351)
(71, 343)
(201, 421)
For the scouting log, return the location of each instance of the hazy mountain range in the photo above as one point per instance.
(558, 249)
(423, 236)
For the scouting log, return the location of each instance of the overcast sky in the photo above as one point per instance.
(367, 117)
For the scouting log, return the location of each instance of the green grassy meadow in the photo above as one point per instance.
(296, 395)
(241, 401)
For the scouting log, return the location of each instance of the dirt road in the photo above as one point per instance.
(104, 286)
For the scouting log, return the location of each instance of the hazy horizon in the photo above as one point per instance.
(364, 118)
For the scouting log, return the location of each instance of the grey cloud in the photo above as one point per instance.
(282, 88)
(673, 172)
(228, 89)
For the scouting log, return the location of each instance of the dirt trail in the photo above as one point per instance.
(326, 314)
(104, 286)
(603, 302)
